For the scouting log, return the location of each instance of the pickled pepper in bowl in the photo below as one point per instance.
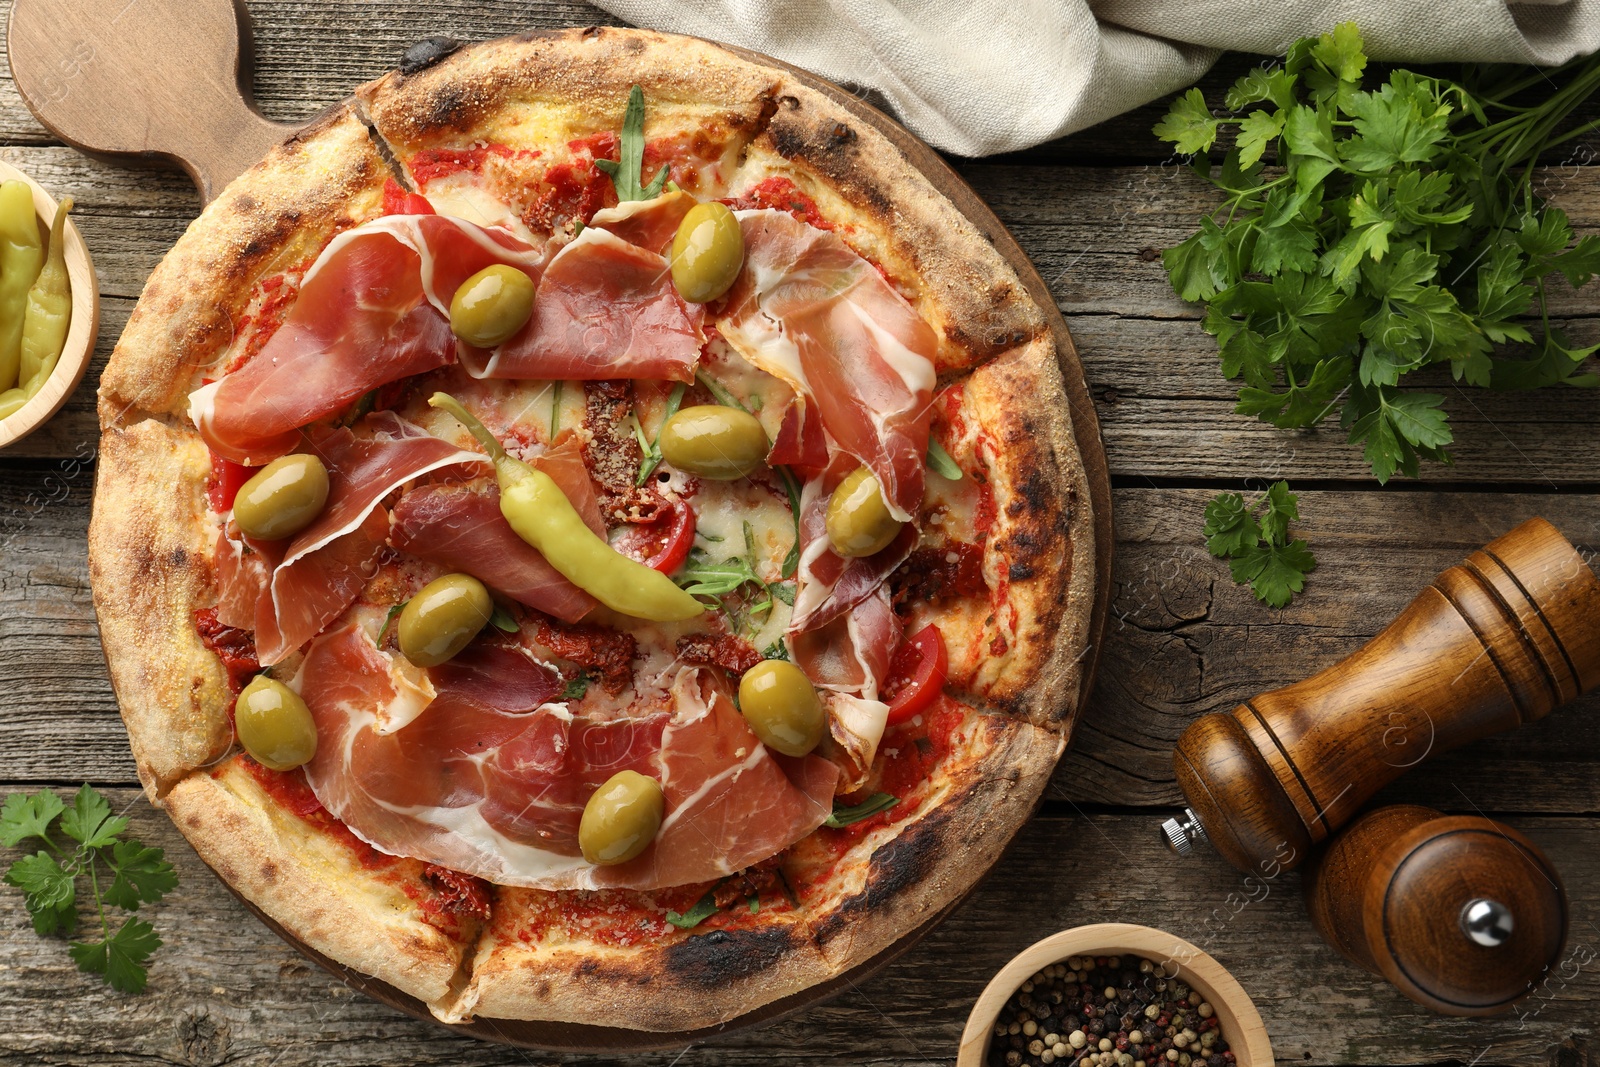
(39, 319)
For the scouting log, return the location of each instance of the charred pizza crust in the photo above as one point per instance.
(151, 545)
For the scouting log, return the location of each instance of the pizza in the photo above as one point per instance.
(586, 532)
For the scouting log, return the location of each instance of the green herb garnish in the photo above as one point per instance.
(576, 686)
(873, 805)
(49, 879)
(501, 620)
(555, 410)
(776, 650)
(652, 449)
(625, 174)
(703, 910)
(388, 620)
(940, 463)
(1402, 232)
(722, 396)
(1254, 538)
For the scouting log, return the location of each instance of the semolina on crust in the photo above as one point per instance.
(151, 545)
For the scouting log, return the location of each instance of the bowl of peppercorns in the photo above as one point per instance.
(1114, 995)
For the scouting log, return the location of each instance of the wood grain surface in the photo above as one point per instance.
(1092, 211)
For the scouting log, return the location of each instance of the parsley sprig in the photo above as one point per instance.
(1400, 230)
(49, 879)
(625, 174)
(1254, 539)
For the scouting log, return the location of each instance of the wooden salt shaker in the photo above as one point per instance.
(1496, 641)
(1462, 914)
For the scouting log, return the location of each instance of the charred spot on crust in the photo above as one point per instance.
(269, 872)
(178, 557)
(896, 866)
(1020, 572)
(721, 956)
(425, 53)
(448, 108)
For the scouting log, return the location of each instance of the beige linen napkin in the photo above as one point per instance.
(977, 77)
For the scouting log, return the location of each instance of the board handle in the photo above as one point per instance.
(144, 79)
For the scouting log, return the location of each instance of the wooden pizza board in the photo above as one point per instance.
(178, 70)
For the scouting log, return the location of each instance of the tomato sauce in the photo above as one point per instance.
(778, 193)
(280, 291)
(906, 756)
(234, 647)
(432, 163)
(575, 190)
(290, 791)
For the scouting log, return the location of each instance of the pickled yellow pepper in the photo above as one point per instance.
(21, 255)
(540, 513)
(49, 313)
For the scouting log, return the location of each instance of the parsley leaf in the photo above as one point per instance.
(873, 805)
(625, 174)
(1403, 232)
(120, 957)
(1254, 538)
(23, 817)
(703, 910)
(89, 821)
(49, 879)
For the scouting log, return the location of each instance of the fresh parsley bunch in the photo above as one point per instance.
(1254, 538)
(121, 872)
(1399, 230)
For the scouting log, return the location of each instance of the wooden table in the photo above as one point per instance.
(1092, 210)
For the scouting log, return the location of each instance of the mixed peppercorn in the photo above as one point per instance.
(1108, 1011)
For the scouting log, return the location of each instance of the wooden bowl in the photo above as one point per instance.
(1241, 1023)
(81, 333)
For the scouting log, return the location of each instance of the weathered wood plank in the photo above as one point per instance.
(1183, 640)
(225, 990)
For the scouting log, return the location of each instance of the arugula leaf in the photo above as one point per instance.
(23, 817)
(776, 650)
(703, 910)
(120, 957)
(1254, 538)
(576, 686)
(503, 621)
(49, 879)
(652, 449)
(940, 462)
(701, 576)
(388, 620)
(626, 173)
(1403, 232)
(873, 805)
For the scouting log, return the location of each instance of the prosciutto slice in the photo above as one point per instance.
(461, 528)
(373, 308)
(492, 777)
(606, 306)
(830, 585)
(324, 568)
(809, 310)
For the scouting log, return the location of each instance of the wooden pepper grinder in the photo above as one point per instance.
(1496, 641)
(1462, 914)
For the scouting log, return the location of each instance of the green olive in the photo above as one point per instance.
(706, 253)
(274, 724)
(621, 818)
(782, 707)
(714, 442)
(283, 498)
(491, 306)
(859, 523)
(440, 620)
